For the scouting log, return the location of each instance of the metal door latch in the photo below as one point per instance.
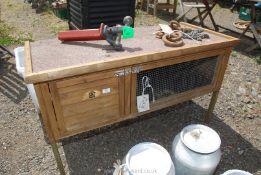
(119, 73)
(136, 69)
(127, 71)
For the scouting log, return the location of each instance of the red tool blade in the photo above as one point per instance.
(82, 35)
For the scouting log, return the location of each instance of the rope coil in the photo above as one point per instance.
(175, 39)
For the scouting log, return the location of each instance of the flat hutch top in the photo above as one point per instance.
(47, 60)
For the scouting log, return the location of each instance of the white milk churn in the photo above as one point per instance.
(148, 159)
(196, 150)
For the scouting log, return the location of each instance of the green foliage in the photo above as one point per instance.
(55, 28)
(24, 36)
(258, 59)
(8, 36)
(4, 29)
(234, 54)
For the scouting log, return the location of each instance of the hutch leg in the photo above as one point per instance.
(155, 7)
(58, 158)
(48, 117)
(211, 106)
(148, 6)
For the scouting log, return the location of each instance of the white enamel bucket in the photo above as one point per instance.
(148, 159)
(236, 172)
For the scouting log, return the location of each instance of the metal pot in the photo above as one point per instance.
(196, 150)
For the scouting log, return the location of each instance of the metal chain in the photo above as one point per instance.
(196, 35)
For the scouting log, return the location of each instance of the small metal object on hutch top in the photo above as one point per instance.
(78, 83)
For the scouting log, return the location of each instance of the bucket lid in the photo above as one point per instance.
(236, 172)
(200, 138)
(148, 158)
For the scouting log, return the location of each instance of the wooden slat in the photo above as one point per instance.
(133, 93)
(90, 85)
(82, 86)
(121, 81)
(57, 107)
(165, 6)
(101, 103)
(222, 70)
(217, 68)
(85, 79)
(27, 58)
(181, 59)
(88, 120)
(92, 124)
(127, 102)
(47, 111)
(178, 98)
(81, 95)
(255, 33)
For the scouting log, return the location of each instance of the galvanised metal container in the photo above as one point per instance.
(196, 150)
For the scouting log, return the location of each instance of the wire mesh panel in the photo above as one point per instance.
(177, 78)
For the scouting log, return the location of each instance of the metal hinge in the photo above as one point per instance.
(136, 69)
(119, 73)
(127, 71)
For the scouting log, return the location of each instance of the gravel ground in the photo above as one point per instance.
(23, 149)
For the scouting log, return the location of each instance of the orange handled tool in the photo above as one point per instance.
(82, 35)
(111, 34)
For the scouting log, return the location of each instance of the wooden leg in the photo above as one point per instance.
(155, 7)
(168, 2)
(243, 33)
(183, 16)
(256, 34)
(254, 46)
(213, 21)
(148, 4)
(175, 7)
(5, 49)
(142, 4)
(58, 158)
(211, 106)
(208, 13)
(201, 21)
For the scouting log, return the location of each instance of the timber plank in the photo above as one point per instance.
(28, 58)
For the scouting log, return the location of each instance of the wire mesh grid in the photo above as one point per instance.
(177, 78)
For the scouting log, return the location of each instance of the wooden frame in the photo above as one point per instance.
(54, 87)
(50, 104)
(156, 5)
(207, 8)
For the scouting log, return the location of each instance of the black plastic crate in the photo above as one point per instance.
(89, 14)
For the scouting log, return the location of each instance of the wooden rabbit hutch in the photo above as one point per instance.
(86, 85)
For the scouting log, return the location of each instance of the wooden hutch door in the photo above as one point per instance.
(87, 102)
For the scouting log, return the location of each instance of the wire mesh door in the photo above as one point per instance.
(174, 79)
